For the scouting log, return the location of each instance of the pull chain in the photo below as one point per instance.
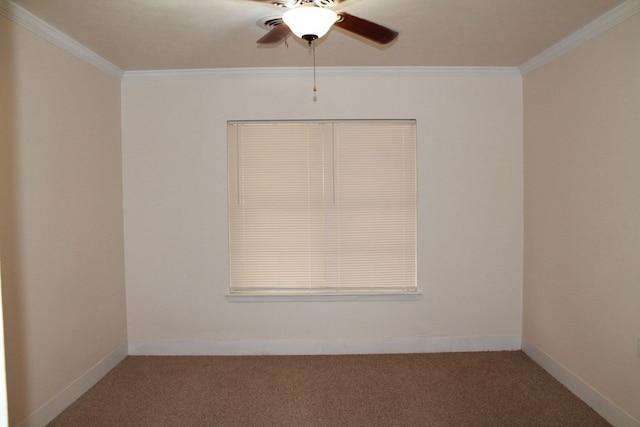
(314, 68)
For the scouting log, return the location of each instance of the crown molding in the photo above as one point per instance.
(36, 25)
(584, 34)
(323, 71)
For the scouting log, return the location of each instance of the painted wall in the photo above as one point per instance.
(61, 232)
(470, 209)
(582, 213)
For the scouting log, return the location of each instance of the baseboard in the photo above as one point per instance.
(335, 346)
(592, 397)
(47, 412)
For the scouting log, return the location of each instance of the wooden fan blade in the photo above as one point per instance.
(275, 35)
(367, 29)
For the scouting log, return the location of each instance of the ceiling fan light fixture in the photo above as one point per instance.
(309, 22)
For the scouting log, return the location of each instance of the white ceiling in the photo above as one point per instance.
(202, 34)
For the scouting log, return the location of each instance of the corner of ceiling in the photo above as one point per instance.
(36, 25)
(589, 31)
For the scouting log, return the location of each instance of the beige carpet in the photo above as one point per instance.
(437, 389)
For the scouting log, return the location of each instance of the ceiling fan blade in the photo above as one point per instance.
(367, 29)
(278, 33)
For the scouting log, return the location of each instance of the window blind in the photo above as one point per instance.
(322, 207)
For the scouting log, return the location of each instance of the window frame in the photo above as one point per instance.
(326, 293)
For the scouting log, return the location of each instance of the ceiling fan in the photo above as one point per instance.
(312, 19)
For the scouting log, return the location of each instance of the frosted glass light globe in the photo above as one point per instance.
(310, 22)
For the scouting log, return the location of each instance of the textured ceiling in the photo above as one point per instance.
(197, 34)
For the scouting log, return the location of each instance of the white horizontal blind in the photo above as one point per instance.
(322, 207)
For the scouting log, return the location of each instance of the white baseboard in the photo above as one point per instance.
(592, 397)
(47, 412)
(333, 346)
(600, 403)
(66, 397)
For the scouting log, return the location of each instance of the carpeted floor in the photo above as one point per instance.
(434, 389)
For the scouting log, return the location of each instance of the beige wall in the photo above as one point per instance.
(470, 206)
(61, 224)
(582, 213)
(61, 233)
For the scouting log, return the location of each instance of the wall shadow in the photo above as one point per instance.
(14, 314)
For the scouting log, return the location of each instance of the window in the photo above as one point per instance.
(324, 208)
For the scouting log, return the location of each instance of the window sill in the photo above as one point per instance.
(413, 296)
